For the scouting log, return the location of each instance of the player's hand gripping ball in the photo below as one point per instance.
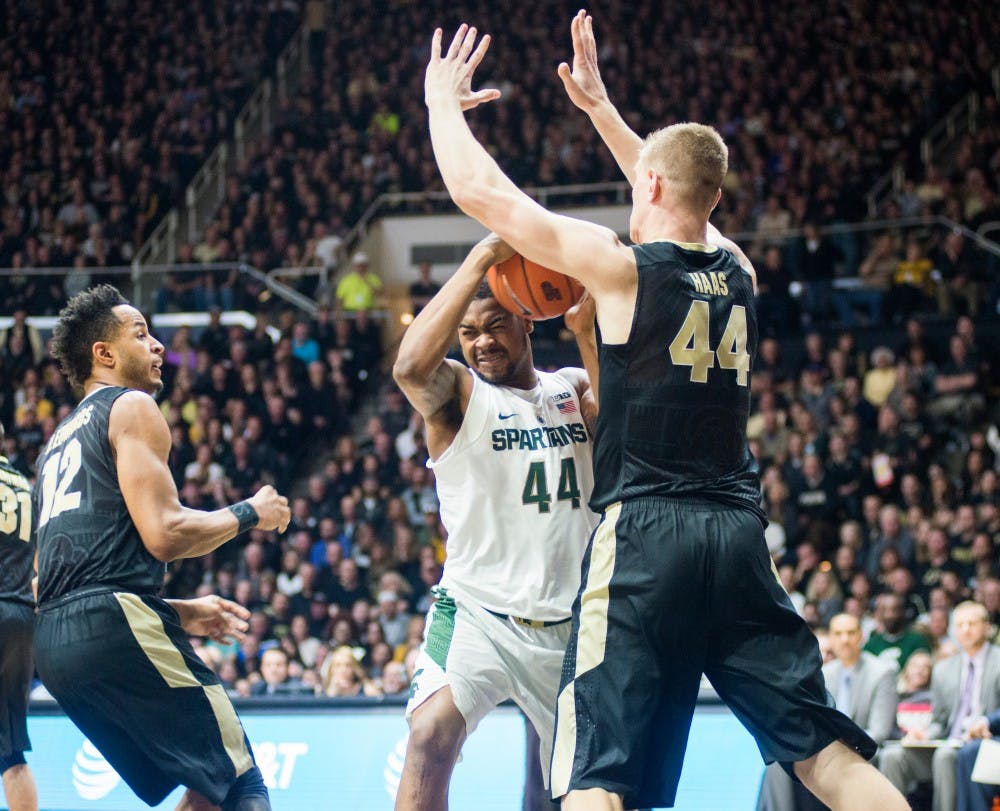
(529, 290)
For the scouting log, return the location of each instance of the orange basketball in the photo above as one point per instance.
(529, 290)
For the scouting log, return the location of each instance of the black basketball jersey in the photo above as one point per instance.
(85, 534)
(675, 397)
(17, 536)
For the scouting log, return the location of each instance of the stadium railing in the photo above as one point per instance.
(206, 190)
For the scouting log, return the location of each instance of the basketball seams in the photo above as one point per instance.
(570, 292)
(526, 311)
(529, 288)
(519, 285)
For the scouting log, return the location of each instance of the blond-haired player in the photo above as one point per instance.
(677, 580)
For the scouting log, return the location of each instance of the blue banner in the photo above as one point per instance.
(352, 758)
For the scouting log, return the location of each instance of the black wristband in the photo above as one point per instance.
(245, 514)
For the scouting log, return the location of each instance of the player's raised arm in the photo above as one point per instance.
(430, 381)
(591, 253)
(141, 442)
(586, 90)
(580, 321)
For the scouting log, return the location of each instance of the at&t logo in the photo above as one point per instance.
(93, 777)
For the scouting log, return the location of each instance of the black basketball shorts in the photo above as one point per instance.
(123, 670)
(672, 589)
(16, 621)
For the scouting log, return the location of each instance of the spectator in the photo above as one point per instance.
(342, 675)
(880, 380)
(956, 387)
(958, 284)
(358, 289)
(423, 289)
(875, 276)
(393, 618)
(912, 285)
(894, 640)
(394, 680)
(776, 310)
(914, 686)
(275, 679)
(817, 265)
(963, 687)
(971, 795)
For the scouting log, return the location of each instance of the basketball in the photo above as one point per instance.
(529, 290)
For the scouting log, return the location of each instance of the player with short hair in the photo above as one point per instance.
(677, 579)
(115, 655)
(510, 449)
(17, 616)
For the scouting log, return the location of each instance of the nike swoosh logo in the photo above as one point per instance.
(507, 416)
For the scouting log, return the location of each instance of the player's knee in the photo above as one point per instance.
(12, 760)
(435, 735)
(248, 793)
(805, 770)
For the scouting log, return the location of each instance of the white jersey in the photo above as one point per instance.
(514, 486)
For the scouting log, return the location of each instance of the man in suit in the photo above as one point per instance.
(962, 687)
(275, 679)
(971, 796)
(864, 688)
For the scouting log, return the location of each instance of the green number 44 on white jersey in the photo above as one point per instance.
(536, 491)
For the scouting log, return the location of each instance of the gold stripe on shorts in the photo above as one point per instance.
(591, 641)
(147, 628)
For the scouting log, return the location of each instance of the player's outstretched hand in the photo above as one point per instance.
(580, 317)
(272, 509)
(583, 84)
(212, 616)
(449, 77)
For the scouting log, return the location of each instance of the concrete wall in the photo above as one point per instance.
(395, 244)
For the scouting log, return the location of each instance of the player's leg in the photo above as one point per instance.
(16, 669)
(459, 677)
(764, 663)
(193, 801)
(633, 663)
(592, 799)
(19, 786)
(437, 731)
(844, 781)
(248, 793)
(124, 671)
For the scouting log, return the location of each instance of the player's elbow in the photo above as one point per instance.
(407, 370)
(159, 549)
(166, 542)
(477, 199)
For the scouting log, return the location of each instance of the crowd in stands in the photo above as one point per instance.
(815, 105)
(879, 466)
(879, 473)
(107, 110)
